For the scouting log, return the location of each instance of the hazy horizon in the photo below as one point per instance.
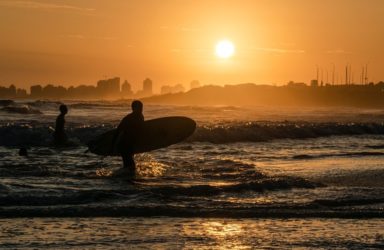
(67, 42)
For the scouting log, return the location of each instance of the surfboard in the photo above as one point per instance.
(156, 133)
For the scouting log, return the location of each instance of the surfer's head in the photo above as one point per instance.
(63, 109)
(137, 106)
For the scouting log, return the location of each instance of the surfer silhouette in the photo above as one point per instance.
(59, 136)
(127, 135)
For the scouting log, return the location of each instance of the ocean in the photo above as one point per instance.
(248, 178)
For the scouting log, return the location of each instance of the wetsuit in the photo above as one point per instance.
(59, 135)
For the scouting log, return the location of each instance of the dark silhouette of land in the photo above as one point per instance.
(371, 95)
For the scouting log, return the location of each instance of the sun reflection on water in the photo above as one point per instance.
(227, 235)
(148, 166)
(103, 172)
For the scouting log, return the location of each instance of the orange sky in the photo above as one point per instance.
(72, 42)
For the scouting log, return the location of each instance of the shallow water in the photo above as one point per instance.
(185, 233)
(293, 179)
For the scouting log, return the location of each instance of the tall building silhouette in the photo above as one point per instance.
(147, 87)
(126, 89)
(36, 91)
(314, 83)
(109, 87)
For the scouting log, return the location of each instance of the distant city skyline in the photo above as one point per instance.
(113, 89)
(173, 42)
(112, 86)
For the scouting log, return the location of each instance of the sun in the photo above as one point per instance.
(225, 49)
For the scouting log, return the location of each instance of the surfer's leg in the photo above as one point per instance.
(129, 163)
(60, 138)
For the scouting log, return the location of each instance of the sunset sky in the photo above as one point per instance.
(71, 42)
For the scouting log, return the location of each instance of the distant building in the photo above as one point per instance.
(314, 83)
(147, 87)
(296, 84)
(8, 92)
(109, 87)
(51, 91)
(21, 93)
(126, 89)
(83, 91)
(12, 90)
(36, 91)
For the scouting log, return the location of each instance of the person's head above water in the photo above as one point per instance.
(63, 109)
(137, 106)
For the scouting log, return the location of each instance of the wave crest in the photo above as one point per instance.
(41, 135)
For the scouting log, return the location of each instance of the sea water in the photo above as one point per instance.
(249, 177)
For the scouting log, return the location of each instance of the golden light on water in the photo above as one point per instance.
(226, 235)
(222, 229)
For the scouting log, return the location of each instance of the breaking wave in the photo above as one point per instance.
(21, 109)
(41, 135)
(254, 132)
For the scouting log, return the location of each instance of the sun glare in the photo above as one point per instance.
(225, 49)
